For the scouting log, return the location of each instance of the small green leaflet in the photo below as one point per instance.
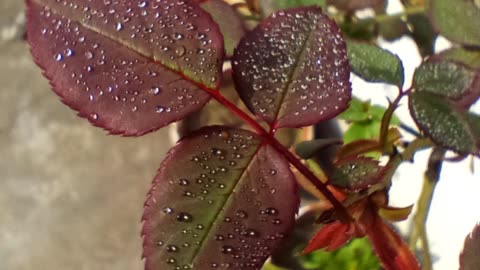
(375, 64)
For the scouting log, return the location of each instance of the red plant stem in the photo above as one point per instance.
(269, 137)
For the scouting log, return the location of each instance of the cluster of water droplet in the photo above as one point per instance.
(294, 66)
(216, 204)
(114, 58)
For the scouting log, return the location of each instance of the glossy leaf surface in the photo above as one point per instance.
(375, 64)
(442, 121)
(470, 256)
(356, 174)
(129, 67)
(444, 78)
(458, 21)
(221, 199)
(228, 20)
(292, 69)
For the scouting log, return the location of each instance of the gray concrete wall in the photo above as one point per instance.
(71, 196)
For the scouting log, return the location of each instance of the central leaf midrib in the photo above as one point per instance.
(209, 230)
(293, 73)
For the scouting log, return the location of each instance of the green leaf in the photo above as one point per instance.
(458, 21)
(442, 122)
(356, 174)
(358, 254)
(358, 111)
(358, 131)
(375, 64)
(366, 120)
(445, 78)
(470, 256)
(221, 197)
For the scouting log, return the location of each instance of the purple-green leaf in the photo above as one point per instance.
(356, 174)
(222, 199)
(375, 64)
(458, 21)
(449, 79)
(443, 122)
(130, 67)
(467, 57)
(228, 20)
(292, 69)
(470, 256)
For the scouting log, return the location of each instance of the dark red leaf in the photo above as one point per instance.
(390, 247)
(221, 198)
(470, 256)
(130, 67)
(292, 70)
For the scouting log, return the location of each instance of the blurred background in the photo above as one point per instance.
(71, 197)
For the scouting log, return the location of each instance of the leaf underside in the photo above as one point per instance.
(292, 69)
(470, 256)
(129, 67)
(221, 200)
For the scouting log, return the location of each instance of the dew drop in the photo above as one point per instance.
(183, 182)
(180, 51)
(168, 210)
(227, 250)
(119, 26)
(184, 217)
(241, 214)
(177, 36)
(271, 211)
(172, 248)
(58, 57)
(252, 233)
(159, 109)
(155, 90)
(89, 55)
(70, 53)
